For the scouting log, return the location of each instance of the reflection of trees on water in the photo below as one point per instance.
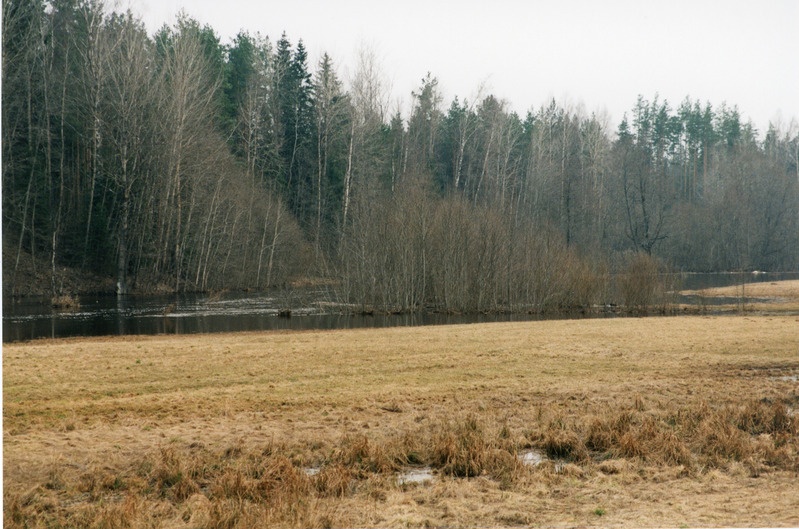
(311, 309)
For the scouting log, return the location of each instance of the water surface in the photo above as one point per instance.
(30, 318)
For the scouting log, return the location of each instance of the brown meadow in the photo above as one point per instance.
(766, 296)
(663, 421)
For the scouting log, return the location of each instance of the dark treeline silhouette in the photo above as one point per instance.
(177, 162)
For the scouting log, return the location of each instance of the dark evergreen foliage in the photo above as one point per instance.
(179, 162)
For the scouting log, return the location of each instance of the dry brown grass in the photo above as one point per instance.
(655, 422)
(773, 296)
(788, 289)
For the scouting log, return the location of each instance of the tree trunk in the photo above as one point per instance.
(348, 181)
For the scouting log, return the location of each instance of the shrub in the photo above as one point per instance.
(66, 302)
(641, 284)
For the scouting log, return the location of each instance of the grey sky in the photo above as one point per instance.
(598, 54)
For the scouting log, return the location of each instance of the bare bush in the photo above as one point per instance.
(641, 285)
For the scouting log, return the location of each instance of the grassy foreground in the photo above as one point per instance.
(687, 421)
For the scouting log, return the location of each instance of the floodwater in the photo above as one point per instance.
(703, 281)
(698, 281)
(30, 318)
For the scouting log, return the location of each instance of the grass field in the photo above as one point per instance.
(683, 421)
(767, 296)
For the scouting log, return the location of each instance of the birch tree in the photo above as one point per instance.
(131, 113)
(189, 92)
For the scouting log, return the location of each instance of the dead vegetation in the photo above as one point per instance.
(653, 422)
(65, 302)
(767, 296)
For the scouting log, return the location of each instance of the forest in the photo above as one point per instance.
(177, 162)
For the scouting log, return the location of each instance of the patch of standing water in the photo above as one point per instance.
(415, 475)
(792, 412)
(532, 458)
(408, 476)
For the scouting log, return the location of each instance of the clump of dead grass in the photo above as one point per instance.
(720, 441)
(654, 441)
(467, 448)
(65, 302)
(364, 456)
(754, 431)
(460, 448)
(604, 432)
(334, 481)
(243, 485)
(636, 435)
(563, 442)
(759, 433)
(765, 417)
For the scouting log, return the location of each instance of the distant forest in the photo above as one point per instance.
(178, 162)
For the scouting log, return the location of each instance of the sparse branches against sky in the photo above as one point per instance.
(600, 54)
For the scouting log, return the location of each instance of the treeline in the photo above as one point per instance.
(115, 160)
(178, 162)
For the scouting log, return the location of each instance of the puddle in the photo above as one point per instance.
(407, 476)
(532, 458)
(415, 475)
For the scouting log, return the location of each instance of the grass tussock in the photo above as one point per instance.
(766, 417)
(632, 434)
(460, 448)
(359, 453)
(562, 442)
(467, 448)
(240, 486)
(699, 436)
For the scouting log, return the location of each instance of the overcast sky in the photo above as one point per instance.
(598, 54)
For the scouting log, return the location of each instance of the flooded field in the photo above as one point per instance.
(33, 318)
(301, 309)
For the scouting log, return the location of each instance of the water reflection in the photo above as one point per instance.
(697, 281)
(29, 318)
